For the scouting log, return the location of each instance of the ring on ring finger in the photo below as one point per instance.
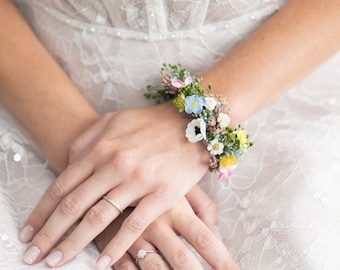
(141, 254)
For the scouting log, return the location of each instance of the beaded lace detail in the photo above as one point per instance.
(154, 19)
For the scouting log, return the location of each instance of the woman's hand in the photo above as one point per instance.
(162, 236)
(136, 156)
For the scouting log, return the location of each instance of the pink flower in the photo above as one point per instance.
(179, 83)
(224, 173)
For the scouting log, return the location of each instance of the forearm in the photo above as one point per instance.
(37, 91)
(297, 39)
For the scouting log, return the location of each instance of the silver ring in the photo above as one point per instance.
(141, 254)
(114, 203)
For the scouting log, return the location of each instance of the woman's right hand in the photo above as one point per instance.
(136, 156)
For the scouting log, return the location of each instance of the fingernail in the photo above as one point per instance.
(31, 254)
(54, 258)
(26, 234)
(216, 231)
(103, 262)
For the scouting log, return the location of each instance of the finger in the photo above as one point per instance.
(60, 188)
(147, 256)
(124, 263)
(148, 209)
(88, 137)
(94, 222)
(105, 236)
(68, 181)
(204, 207)
(204, 241)
(101, 215)
(67, 213)
(97, 156)
(172, 247)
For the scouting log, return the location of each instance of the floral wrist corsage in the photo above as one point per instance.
(210, 118)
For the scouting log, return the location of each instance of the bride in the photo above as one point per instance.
(73, 135)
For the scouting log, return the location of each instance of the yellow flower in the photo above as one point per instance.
(179, 102)
(242, 137)
(228, 161)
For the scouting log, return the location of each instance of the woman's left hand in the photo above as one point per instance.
(138, 156)
(168, 250)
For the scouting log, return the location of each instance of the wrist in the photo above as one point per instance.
(57, 147)
(209, 117)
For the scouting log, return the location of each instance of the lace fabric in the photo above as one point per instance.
(147, 15)
(280, 210)
(152, 19)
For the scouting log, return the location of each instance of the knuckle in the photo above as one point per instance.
(70, 205)
(183, 259)
(56, 189)
(69, 246)
(96, 216)
(120, 159)
(206, 239)
(141, 175)
(44, 238)
(135, 224)
(163, 191)
(101, 147)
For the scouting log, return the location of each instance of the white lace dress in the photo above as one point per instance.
(281, 208)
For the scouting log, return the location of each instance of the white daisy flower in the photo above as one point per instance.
(215, 147)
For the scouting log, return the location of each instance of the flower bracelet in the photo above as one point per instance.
(209, 123)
